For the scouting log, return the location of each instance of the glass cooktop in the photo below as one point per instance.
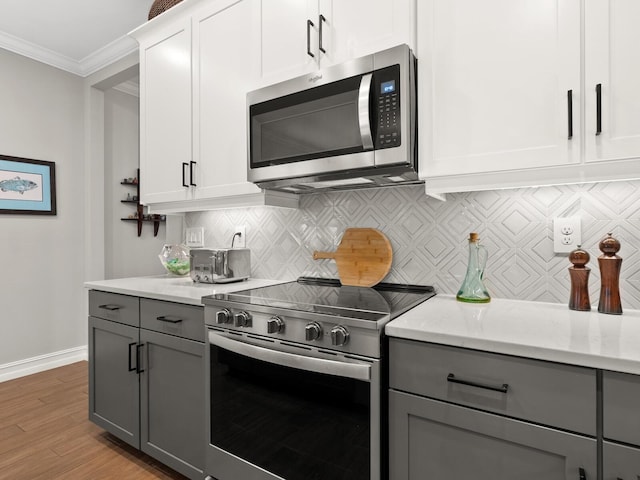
(385, 301)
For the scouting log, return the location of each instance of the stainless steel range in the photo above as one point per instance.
(295, 379)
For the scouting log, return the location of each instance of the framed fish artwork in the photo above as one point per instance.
(27, 186)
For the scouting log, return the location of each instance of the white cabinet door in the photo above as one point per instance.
(302, 36)
(284, 31)
(360, 27)
(165, 113)
(612, 38)
(226, 68)
(495, 85)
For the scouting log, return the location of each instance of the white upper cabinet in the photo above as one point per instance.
(165, 113)
(198, 60)
(501, 76)
(301, 36)
(225, 39)
(509, 92)
(612, 66)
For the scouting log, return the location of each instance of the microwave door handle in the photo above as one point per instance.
(300, 362)
(363, 111)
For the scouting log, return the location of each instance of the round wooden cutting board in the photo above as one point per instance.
(363, 257)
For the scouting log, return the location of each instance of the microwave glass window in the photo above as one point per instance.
(324, 124)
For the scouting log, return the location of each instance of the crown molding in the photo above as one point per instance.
(130, 88)
(85, 67)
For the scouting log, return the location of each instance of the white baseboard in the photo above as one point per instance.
(21, 368)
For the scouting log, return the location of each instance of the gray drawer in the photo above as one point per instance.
(621, 407)
(186, 321)
(548, 393)
(115, 307)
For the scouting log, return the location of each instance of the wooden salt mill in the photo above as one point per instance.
(610, 265)
(579, 273)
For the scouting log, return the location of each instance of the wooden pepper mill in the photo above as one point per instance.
(610, 265)
(579, 273)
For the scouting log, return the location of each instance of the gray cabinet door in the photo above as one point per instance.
(435, 440)
(172, 385)
(114, 393)
(620, 462)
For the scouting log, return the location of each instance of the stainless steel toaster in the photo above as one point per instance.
(220, 265)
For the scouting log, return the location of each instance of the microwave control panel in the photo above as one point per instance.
(386, 104)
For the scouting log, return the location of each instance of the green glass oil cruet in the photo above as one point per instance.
(473, 289)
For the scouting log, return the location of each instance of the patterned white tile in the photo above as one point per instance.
(429, 237)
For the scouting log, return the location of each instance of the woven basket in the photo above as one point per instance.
(160, 6)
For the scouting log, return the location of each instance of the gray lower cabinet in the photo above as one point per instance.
(456, 413)
(430, 439)
(114, 395)
(620, 462)
(172, 395)
(146, 377)
(621, 421)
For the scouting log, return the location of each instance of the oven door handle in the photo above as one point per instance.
(330, 367)
(363, 111)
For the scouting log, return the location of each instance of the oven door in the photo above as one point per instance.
(284, 412)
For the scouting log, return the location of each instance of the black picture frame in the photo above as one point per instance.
(27, 186)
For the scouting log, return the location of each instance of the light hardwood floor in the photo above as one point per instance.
(45, 433)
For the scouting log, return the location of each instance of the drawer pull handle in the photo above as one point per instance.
(109, 307)
(502, 389)
(169, 319)
(583, 474)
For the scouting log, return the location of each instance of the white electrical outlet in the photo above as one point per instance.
(195, 237)
(240, 237)
(567, 234)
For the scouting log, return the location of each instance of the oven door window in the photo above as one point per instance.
(295, 424)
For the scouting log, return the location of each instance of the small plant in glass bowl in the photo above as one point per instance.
(175, 259)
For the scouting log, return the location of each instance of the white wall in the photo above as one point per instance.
(41, 273)
(126, 254)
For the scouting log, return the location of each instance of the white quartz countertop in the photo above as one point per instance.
(174, 289)
(544, 331)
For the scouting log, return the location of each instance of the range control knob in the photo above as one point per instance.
(313, 331)
(339, 336)
(275, 325)
(223, 316)
(243, 319)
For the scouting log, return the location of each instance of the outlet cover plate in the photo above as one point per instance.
(567, 234)
(195, 237)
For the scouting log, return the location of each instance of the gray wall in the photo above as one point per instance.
(429, 237)
(126, 254)
(41, 296)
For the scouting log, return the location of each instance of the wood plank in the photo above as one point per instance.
(45, 433)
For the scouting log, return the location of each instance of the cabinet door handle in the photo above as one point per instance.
(169, 319)
(309, 25)
(570, 112)
(138, 357)
(131, 367)
(184, 179)
(322, 19)
(109, 307)
(583, 474)
(191, 166)
(502, 389)
(598, 109)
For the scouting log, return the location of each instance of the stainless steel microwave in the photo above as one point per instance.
(346, 126)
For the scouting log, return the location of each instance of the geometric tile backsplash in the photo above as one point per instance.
(429, 237)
